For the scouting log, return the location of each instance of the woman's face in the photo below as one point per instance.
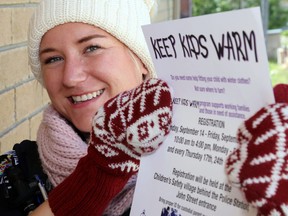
(83, 67)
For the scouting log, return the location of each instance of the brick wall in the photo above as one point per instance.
(22, 99)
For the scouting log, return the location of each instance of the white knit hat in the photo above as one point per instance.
(121, 18)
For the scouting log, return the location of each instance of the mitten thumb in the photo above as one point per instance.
(281, 93)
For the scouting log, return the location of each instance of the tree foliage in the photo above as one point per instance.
(278, 15)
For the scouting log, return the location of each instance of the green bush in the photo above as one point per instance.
(278, 73)
(284, 33)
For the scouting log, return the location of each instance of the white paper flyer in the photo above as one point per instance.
(218, 68)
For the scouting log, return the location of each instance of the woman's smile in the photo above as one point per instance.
(86, 97)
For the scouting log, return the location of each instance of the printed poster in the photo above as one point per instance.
(218, 69)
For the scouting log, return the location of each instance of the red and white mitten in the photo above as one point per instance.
(259, 166)
(132, 124)
(129, 125)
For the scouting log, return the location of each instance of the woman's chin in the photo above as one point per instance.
(83, 126)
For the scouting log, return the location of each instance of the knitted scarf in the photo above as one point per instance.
(60, 149)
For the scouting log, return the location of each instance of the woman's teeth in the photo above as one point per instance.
(82, 98)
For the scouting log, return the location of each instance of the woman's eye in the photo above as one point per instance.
(52, 60)
(92, 48)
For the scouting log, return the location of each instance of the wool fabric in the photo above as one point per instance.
(259, 164)
(281, 93)
(60, 149)
(121, 18)
(128, 126)
(132, 124)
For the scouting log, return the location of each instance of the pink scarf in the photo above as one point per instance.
(60, 149)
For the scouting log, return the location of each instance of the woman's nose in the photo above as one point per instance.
(74, 72)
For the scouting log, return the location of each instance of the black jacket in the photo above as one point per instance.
(19, 184)
(25, 194)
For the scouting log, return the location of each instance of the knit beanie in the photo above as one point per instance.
(121, 18)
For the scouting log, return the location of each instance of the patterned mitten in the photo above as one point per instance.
(129, 125)
(281, 93)
(132, 124)
(259, 165)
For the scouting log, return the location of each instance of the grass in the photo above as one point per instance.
(278, 73)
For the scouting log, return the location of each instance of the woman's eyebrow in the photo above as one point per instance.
(47, 50)
(90, 37)
(82, 40)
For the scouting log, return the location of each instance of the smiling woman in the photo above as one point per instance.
(83, 64)
(92, 58)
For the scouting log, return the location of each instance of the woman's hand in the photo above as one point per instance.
(43, 210)
(259, 164)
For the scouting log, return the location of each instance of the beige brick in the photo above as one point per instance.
(7, 110)
(28, 99)
(5, 144)
(17, 135)
(34, 125)
(13, 1)
(46, 98)
(20, 22)
(14, 67)
(17, 1)
(5, 26)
